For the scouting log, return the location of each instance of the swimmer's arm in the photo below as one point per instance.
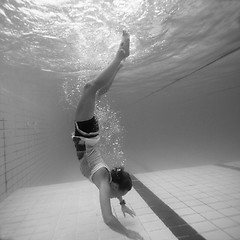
(120, 199)
(109, 219)
(126, 209)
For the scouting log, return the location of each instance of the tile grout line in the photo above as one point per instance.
(179, 227)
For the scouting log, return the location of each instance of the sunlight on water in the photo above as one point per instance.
(70, 35)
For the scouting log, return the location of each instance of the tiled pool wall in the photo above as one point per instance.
(23, 141)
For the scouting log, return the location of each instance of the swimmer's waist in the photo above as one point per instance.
(87, 129)
(85, 135)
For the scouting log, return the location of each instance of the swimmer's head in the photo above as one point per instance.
(121, 182)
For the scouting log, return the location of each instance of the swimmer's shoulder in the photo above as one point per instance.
(102, 175)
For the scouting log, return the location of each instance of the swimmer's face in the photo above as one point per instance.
(115, 192)
(121, 193)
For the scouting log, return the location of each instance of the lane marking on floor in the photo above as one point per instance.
(179, 227)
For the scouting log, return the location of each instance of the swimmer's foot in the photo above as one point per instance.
(123, 51)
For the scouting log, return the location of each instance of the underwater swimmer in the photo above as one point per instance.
(113, 183)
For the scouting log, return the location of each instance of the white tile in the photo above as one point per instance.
(164, 234)
(184, 211)
(236, 218)
(208, 200)
(64, 234)
(171, 200)
(218, 205)
(185, 190)
(194, 192)
(233, 202)
(200, 195)
(143, 211)
(164, 195)
(41, 236)
(84, 236)
(194, 202)
(153, 226)
(212, 215)
(216, 235)
(201, 208)
(194, 218)
(186, 198)
(202, 227)
(233, 231)
(236, 195)
(224, 223)
(229, 211)
(177, 205)
(148, 218)
(106, 234)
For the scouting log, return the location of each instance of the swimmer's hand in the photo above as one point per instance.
(127, 210)
(133, 235)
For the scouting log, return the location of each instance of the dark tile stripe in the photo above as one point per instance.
(226, 166)
(181, 229)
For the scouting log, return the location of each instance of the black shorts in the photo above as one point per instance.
(84, 129)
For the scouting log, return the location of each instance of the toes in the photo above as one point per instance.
(124, 45)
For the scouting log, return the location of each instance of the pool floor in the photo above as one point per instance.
(189, 203)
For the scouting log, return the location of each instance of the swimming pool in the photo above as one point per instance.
(173, 104)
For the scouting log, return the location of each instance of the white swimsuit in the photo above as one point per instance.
(87, 142)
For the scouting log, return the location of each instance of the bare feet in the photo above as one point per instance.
(123, 51)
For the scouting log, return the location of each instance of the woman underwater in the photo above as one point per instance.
(113, 183)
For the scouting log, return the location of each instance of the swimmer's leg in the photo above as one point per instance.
(86, 105)
(105, 89)
(109, 73)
